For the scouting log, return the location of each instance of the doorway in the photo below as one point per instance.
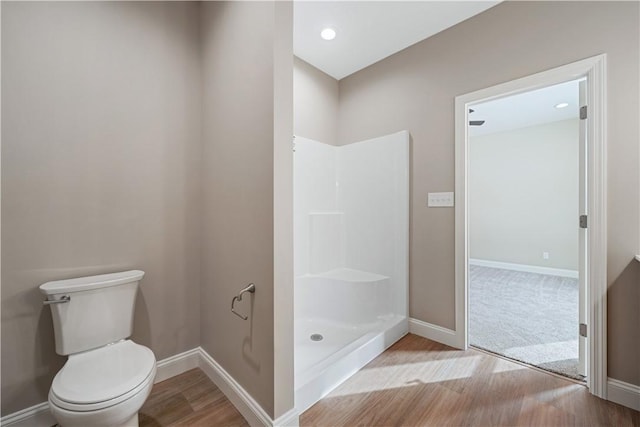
(592, 70)
(526, 181)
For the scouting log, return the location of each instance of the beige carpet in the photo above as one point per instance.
(528, 317)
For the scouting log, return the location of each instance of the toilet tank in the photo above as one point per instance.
(99, 310)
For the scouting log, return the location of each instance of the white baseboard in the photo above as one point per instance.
(240, 398)
(527, 268)
(623, 393)
(34, 416)
(40, 416)
(248, 407)
(288, 419)
(434, 332)
(178, 364)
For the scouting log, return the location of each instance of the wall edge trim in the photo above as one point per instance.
(36, 415)
(619, 392)
(433, 332)
(288, 419)
(177, 364)
(623, 393)
(250, 409)
(39, 415)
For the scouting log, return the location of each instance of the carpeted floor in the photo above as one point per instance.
(528, 317)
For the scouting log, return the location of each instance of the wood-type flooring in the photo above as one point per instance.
(416, 382)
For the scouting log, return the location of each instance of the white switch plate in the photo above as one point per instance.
(440, 200)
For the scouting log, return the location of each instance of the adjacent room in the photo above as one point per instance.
(524, 205)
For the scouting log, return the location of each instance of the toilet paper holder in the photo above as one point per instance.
(250, 288)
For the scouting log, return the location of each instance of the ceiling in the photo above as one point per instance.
(368, 31)
(526, 109)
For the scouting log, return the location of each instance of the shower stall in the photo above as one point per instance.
(351, 233)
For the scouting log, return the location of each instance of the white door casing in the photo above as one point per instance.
(594, 69)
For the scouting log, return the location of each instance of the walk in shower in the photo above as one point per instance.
(351, 227)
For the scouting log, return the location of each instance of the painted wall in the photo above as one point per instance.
(523, 195)
(240, 41)
(144, 135)
(315, 101)
(283, 369)
(100, 171)
(415, 90)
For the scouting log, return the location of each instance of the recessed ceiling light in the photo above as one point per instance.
(328, 34)
(562, 105)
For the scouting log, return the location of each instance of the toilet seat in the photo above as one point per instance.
(103, 377)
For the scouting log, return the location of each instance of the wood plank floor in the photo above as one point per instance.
(189, 399)
(416, 382)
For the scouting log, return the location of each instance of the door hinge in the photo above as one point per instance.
(583, 330)
(583, 221)
(583, 112)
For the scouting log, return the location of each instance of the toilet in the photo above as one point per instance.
(107, 377)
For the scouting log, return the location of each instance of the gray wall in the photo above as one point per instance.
(283, 329)
(238, 214)
(315, 100)
(141, 135)
(100, 171)
(415, 90)
(523, 195)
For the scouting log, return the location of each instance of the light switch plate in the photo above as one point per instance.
(440, 200)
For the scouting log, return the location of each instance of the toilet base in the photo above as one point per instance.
(131, 422)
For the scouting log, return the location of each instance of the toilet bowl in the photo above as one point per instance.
(107, 378)
(103, 387)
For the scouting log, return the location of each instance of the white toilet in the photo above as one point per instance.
(107, 377)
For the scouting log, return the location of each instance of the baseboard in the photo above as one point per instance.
(527, 268)
(40, 416)
(623, 393)
(178, 364)
(34, 416)
(434, 332)
(240, 398)
(288, 419)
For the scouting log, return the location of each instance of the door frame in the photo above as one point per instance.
(594, 69)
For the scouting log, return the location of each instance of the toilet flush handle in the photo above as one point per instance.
(63, 299)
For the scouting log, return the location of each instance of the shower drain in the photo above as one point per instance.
(316, 337)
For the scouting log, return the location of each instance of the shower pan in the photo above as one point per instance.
(351, 233)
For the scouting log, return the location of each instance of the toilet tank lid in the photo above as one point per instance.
(90, 282)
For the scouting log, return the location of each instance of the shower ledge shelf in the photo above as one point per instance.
(638, 258)
(349, 275)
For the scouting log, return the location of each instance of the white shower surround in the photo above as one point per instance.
(351, 239)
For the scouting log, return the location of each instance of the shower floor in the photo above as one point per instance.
(320, 366)
(335, 337)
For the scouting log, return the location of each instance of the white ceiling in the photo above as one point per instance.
(526, 109)
(368, 31)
